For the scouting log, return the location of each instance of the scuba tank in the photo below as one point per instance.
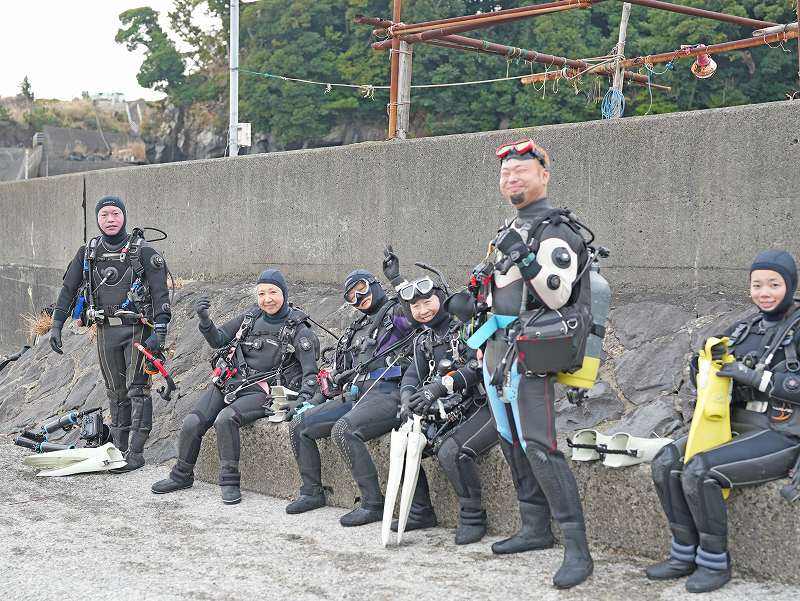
(586, 376)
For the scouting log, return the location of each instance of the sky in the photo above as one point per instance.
(66, 47)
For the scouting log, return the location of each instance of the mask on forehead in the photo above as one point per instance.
(523, 150)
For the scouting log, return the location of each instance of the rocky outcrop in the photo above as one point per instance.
(643, 389)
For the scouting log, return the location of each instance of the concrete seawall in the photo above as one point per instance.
(682, 199)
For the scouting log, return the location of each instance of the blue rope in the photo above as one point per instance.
(613, 104)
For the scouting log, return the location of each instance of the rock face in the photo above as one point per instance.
(643, 387)
(184, 134)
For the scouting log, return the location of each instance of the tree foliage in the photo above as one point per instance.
(164, 68)
(319, 41)
(26, 90)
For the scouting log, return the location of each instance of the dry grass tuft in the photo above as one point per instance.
(37, 325)
(181, 282)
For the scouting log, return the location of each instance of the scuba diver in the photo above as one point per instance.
(442, 385)
(370, 359)
(537, 286)
(268, 346)
(119, 282)
(765, 412)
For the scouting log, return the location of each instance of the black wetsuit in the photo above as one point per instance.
(279, 345)
(112, 274)
(474, 434)
(542, 478)
(367, 409)
(766, 448)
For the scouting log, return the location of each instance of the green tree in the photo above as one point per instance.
(163, 68)
(26, 90)
(319, 41)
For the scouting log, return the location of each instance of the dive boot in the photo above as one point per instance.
(471, 522)
(713, 571)
(134, 458)
(305, 503)
(231, 495)
(419, 517)
(669, 569)
(361, 516)
(133, 461)
(679, 564)
(168, 485)
(229, 480)
(577, 565)
(534, 534)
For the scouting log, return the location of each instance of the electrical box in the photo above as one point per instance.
(243, 134)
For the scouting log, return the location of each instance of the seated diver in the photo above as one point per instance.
(268, 345)
(765, 411)
(443, 368)
(370, 358)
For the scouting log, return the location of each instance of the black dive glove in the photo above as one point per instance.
(155, 342)
(511, 244)
(391, 266)
(201, 307)
(742, 374)
(422, 400)
(55, 336)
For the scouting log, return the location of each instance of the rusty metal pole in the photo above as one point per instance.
(497, 17)
(713, 49)
(700, 12)
(428, 34)
(394, 71)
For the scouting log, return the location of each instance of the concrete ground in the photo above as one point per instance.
(103, 536)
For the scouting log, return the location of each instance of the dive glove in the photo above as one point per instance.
(201, 307)
(155, 342)
(391, 266)
(422, 400)
(55, 336)
(511, 244)
(742, 374)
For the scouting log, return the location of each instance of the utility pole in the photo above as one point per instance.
(623, 34)
(233, 101)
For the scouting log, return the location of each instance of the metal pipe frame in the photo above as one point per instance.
(488, 19)
(701, 12)
(731, 46)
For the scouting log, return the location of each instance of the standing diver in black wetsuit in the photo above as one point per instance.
(370, 359)
(551, 278)
(439, 348)
(269, 345)
(765, 412)
(119, 272)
